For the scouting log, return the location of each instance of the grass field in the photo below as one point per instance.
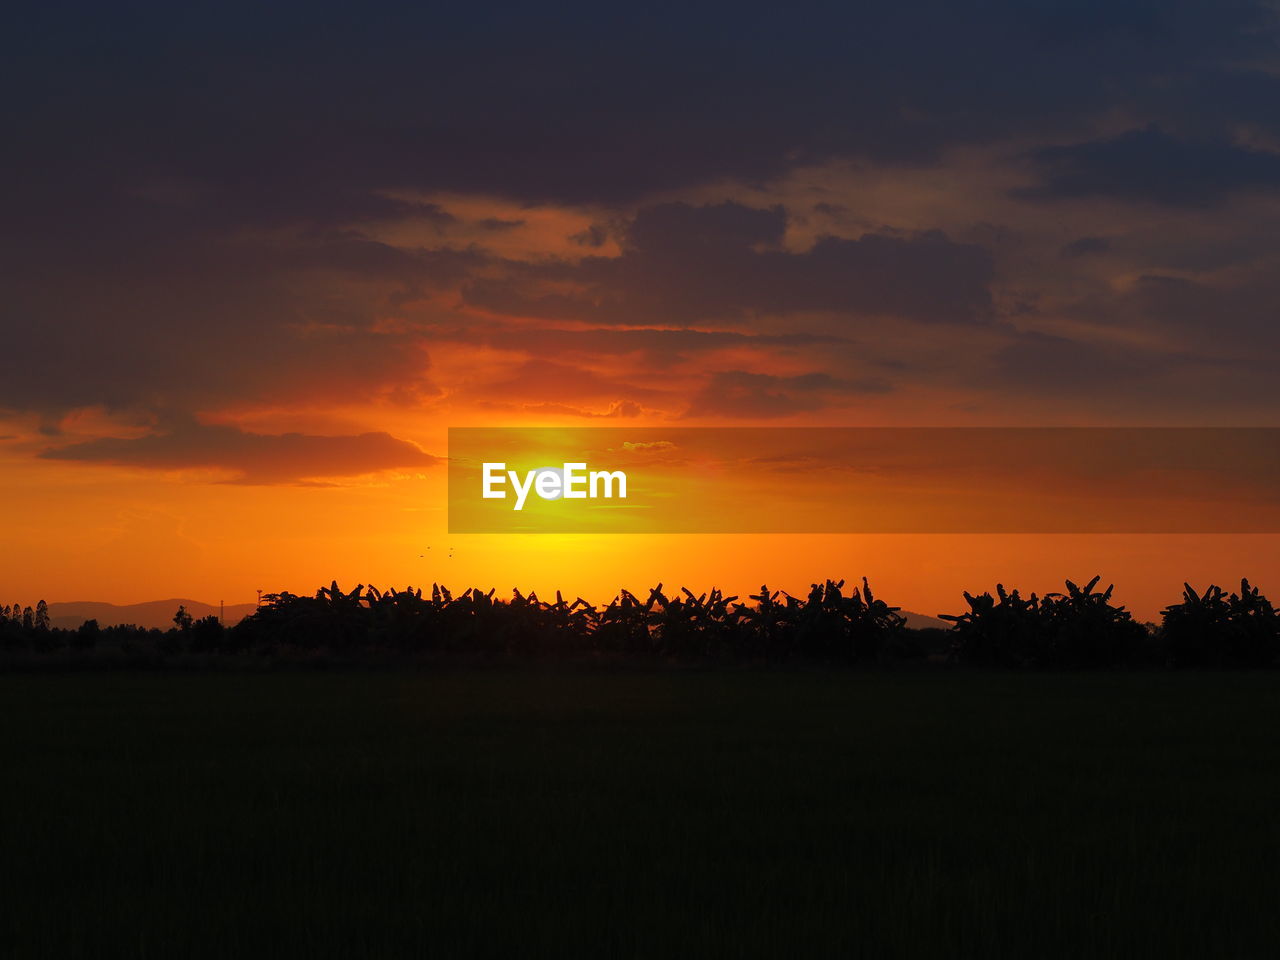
(720, 813)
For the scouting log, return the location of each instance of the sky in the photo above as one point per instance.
(258, 259)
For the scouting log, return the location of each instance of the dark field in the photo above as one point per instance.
(640, 814)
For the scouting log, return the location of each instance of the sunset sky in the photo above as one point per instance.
(258, 259)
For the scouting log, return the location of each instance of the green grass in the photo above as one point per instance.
(639, 814)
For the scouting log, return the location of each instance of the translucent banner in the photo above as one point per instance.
(864, 480)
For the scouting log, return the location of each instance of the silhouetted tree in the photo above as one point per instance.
(1085, 629)
(86, 636)
(206, 634)
(1079, 628)
(1220, 630)
(1007, 632)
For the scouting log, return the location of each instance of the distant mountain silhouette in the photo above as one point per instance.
(153, 613)
(159, 614)
(918, 621)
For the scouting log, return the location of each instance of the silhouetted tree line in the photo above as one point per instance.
(1079, 628)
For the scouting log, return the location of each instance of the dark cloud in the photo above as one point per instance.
(1234, 318)
(1175, 382)
(1085, 247)
(540, 380)
(738, 393)
(650, 346)
(192, 195)
(253, 457)
(1152, 166)
(1056, 365)
(497, 224)
(684, 264)
(594, 102)
(162, 319)
(595, 235)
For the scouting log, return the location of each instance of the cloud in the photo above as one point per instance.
(1085, 247)
(1152, 166)
(161, 319)
(1232, 317)
(1051, 364)
(617, 410)
(685, 264)
(499, 224)
(648, 346)
(539, 380)
(253, 458)
(203, 217)
(738, 393)
(1175, 381)
(594, 104)
(595, 235)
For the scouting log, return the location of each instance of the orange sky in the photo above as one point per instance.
(124, 534)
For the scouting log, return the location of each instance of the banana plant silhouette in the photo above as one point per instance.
(1220, 630)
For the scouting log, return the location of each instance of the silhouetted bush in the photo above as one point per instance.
(1217, 630)
(1085, 629)
(86, 636)
(827, 626)
(206, 635)
(1006, 632)
(1079, 628)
